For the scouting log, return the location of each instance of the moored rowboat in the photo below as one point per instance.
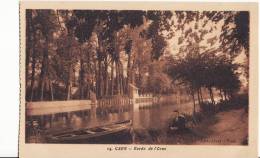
(90, 133)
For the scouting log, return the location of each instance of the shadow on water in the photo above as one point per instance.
(78, 120)
(150, 126)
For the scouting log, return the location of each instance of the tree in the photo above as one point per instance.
(108, 25)
(160, 23)
(158, 82)
(72, 52)
(43, 25)
(206, 70)
(235, 32)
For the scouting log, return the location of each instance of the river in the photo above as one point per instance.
(151, 118)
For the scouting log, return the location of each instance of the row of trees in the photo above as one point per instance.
(72, 53)
(206, 70)
(211, 67)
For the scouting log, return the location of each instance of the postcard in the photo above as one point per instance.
(138, 79)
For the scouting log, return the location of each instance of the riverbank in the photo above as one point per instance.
(231, 128)
(226, 128)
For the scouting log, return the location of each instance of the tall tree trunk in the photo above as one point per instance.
(117, 79)
(44, 68)
(89, 81)
(133, 73)
(42, 88)
(198, 95)
(201, 97)
(32, 79)
(70, 75)
(225, 94)
(211, 95)
(99, 86)
(106, 83)
(96, 78)
(81, 77)
(33, 63)
(122, 80)
(193, 99)
(112, 78)
(29, 41)
(221, 95)
(128, 72)
(106, 77)
(69, 84)
(51, 89)
(87, 90)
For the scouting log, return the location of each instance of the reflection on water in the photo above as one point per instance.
(151, 123)
(73, 120)
(155, 117)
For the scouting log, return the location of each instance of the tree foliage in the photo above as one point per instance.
(72, 53)
(79, 51)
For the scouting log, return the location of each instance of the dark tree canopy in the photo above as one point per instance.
(71, 53)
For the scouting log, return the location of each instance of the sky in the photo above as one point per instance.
(216, 31)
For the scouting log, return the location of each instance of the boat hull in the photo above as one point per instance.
(104, 134)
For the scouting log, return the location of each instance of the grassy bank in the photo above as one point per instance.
(224, 123)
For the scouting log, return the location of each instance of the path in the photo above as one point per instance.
(231, 128)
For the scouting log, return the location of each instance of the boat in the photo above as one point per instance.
(90, 133)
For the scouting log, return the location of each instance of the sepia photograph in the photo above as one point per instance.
(137, 77)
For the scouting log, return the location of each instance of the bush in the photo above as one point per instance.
(194, 119)
(237, 101)
(207, 107)
(224, 105)
(240, 100)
